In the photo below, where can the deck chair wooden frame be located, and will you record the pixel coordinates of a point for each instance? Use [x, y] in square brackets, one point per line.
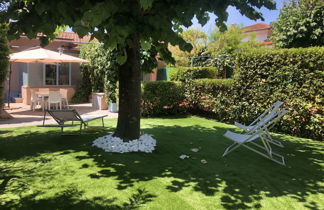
[70, 115]
[266, 115]
[247, 140]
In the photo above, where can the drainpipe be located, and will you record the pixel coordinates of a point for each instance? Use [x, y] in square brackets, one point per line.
[9, 85]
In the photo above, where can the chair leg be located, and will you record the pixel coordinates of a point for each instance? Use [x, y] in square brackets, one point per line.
[80, 128]
[273, 141]
[282, 159]
[230, 149]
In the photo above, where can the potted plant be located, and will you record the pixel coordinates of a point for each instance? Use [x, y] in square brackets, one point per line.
[111, 94]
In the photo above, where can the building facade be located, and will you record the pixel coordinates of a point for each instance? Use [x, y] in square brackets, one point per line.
[33, 76]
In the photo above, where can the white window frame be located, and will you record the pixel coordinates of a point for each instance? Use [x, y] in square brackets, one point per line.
[57, 74]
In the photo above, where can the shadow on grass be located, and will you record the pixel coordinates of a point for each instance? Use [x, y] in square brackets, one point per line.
[71, 198]
[242, 179]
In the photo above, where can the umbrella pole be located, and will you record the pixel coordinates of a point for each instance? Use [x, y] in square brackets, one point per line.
[9, 83]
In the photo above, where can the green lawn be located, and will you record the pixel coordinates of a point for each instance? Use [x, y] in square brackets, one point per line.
[39, 169]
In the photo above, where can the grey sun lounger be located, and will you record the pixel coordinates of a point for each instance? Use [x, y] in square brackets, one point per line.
[71, 115]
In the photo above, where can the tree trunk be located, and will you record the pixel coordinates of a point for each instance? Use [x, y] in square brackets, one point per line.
[128, 125]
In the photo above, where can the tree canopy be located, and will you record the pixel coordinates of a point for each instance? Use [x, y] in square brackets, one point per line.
[230, 40]
[300, 24]
[115, 22]
[197, 39]
[127, 26]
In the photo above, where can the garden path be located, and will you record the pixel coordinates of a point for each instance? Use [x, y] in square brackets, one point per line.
[23, 116]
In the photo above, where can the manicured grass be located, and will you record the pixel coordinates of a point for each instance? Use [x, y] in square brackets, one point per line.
[39, 169]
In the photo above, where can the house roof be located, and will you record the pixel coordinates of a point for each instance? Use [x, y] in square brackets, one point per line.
[70, 36]
[266, 43]
[256, 27]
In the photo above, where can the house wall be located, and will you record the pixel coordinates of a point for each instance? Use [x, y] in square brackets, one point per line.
[261, 35]
[23, 77]
[35, 74]
[75, 74]
[153, 76]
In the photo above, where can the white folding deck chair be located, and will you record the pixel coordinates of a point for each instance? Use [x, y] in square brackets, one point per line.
[247, 140]
[262, 119]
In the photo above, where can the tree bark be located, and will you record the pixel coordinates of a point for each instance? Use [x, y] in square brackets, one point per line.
[128, 125]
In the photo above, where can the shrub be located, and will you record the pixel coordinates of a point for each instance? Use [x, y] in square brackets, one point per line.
[209, 97]
[294, 76]
[185, 73]
[162, 98]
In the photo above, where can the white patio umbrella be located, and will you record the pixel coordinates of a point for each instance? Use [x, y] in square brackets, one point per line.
[41, 55]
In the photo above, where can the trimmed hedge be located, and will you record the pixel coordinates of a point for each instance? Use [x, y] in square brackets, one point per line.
[294, 76]
[210, 97]
[162, 98]
[184, 73]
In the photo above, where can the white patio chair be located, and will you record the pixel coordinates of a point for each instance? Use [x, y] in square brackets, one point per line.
[64, 95]
[266, 116]
[34, 100]
[54, 98]
[44, 90]
[247, 140]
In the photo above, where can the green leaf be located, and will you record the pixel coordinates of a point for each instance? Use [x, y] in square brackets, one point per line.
[121, 59]
[145, 45]
[146, 4]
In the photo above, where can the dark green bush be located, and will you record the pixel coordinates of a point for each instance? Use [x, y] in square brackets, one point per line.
[185, 73]
[162, 98]
[294, 76]
[209, 97]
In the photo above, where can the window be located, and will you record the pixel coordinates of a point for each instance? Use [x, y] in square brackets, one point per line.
[50, 74]
[64, 74]
[57, 74]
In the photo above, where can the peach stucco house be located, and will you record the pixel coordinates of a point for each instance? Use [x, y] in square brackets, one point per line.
[262, 32]
[33, 76]
[26, 77]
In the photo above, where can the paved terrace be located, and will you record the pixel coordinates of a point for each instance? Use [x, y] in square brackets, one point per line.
[23, 116]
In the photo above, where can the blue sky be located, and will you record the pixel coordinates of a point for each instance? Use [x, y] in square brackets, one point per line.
[236, 18]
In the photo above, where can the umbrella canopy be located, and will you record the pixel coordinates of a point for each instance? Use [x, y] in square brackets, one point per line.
[42, 55]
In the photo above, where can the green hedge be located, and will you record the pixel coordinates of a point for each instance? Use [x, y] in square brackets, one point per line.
[185, 73]
[162, 98]
[209, 97]
[294, 76]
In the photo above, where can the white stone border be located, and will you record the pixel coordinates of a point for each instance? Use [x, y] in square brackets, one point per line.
[109, 143]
